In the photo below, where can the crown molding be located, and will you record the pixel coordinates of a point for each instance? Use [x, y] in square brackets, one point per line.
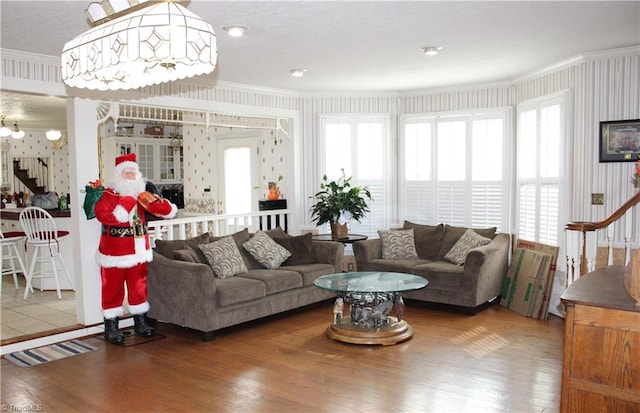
[579, 59]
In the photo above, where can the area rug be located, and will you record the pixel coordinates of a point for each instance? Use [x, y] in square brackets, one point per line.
[45, 354]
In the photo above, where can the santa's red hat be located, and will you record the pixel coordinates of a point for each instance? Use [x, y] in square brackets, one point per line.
[125, 162]
[130, 157]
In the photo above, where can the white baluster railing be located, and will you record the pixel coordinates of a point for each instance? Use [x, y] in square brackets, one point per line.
[582, 244]
[219, 225]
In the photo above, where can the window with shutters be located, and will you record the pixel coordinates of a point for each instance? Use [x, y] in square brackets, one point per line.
[540, 137]
[454, 168]
[359, 146]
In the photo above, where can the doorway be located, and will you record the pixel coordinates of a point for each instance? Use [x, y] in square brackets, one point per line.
[238, 175]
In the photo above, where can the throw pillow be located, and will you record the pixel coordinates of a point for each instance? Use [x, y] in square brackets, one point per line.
[187, 254]
[224, 257]
[266, 251]
[470, 239]
[428, 239]
[167, 247]
[301, 248]
[398, 245]
[452, 235]
[240, 238]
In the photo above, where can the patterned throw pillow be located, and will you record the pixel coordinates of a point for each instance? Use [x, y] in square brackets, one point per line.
[266, 251]
[470, 239]
[398, 245]
[224, 257]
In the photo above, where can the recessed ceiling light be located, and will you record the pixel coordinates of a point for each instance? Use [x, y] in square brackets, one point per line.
[235, 31]
[298, 72]
[431, 50]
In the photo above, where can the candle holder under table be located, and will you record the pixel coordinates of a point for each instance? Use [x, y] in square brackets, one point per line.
[371, 297]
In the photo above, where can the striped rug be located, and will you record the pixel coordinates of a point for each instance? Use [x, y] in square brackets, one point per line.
[41, 355]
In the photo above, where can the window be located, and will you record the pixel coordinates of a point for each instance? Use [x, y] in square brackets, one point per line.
[358, 145]
[539, 159]
[453, 170]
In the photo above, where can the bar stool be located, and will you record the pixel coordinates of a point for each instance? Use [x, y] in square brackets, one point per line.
[9, 252]
[43, 235]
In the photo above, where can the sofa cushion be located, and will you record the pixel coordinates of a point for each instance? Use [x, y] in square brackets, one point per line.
[380, 264]
[301, 248]
[428, 239]
[452, 235]
[224, 257]
[441, 275]
[276, 281]
[469, 240]
[276, 232]
[234, 290]
[310, 272]
[398, 244]
[166, 248]
[266, 251]
[187, 254]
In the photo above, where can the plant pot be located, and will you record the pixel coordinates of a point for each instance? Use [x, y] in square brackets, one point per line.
[338, 231]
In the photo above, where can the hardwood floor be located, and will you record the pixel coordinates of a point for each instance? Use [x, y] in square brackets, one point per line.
[496, 361]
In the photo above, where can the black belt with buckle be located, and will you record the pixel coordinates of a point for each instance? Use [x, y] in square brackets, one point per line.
[120, 231]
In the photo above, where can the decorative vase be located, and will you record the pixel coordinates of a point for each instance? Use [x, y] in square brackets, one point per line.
[274, 192]
[338, 231]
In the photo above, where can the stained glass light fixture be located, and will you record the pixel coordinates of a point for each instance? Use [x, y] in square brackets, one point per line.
[138, 43]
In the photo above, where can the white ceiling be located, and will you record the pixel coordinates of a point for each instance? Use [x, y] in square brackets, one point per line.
[371, 46]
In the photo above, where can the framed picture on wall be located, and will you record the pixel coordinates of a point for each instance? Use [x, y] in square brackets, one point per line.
[620, 140]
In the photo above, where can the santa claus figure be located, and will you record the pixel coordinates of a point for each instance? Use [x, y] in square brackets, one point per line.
[124, 249]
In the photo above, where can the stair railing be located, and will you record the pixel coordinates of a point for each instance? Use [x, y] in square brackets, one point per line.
[582, 244]
[37, 168]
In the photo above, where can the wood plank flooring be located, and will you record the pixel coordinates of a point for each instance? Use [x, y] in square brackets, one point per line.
[496, 361]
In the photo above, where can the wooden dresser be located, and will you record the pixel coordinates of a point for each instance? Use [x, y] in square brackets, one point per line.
[601, 358]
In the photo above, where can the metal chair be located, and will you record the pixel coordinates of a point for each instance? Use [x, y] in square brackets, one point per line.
[43, 235]
[9, 252]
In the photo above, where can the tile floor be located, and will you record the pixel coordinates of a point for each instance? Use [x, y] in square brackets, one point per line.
[41, 311]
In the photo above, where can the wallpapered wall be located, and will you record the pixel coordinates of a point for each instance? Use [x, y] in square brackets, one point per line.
[35, 145]
[200, 167]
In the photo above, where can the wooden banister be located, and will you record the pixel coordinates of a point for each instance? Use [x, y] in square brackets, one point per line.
[585, 227]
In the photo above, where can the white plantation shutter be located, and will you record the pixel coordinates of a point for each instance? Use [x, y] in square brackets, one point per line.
[539, 161]
[453, 169]
[418, 205]
[487, 202]
[358, 144]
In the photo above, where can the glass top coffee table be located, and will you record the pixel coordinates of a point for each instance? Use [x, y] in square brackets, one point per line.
[371, 297]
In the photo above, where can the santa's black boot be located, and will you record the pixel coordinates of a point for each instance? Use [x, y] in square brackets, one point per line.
[111, 332]
[142, 326]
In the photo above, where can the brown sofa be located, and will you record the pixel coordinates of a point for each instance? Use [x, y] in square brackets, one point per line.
[469, 286]
[189, 294]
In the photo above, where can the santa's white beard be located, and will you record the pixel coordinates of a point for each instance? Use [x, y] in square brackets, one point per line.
[127, 187]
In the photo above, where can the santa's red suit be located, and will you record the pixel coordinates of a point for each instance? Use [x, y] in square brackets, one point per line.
[124, 249]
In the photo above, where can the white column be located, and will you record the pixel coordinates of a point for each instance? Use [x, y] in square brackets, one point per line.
[83, 167]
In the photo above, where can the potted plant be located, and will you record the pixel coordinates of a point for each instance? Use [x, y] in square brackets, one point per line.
[338, 202]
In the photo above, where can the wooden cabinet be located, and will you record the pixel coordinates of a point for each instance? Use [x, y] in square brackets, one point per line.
[159, 162]
[601, 359]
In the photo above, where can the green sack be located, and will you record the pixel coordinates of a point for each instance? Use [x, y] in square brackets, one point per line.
[91, 197]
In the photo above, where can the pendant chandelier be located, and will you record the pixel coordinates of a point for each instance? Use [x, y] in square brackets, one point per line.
[148, 43]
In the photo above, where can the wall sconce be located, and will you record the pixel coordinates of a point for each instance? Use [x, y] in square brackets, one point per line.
[4, 131]
[60, 142]
[175, 144]
[17, 133]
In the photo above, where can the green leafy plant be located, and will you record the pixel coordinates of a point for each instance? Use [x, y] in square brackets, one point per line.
[337, 197]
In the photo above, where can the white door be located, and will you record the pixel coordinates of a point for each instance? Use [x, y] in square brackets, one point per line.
[238, 174]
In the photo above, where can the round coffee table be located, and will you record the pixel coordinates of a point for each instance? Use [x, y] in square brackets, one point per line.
[371, 297]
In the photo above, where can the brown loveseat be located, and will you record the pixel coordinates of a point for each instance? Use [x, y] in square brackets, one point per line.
[478, 281]
[189, 294]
